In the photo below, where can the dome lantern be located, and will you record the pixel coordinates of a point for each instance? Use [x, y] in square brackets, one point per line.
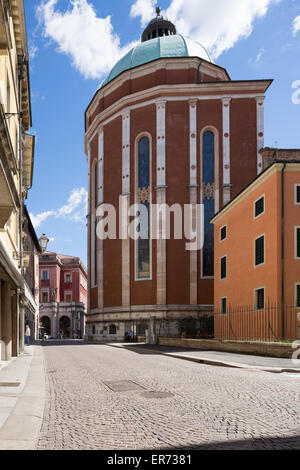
[158, 27]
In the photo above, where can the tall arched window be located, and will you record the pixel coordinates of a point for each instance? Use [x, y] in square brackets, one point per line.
[143, 198]
[208, 186]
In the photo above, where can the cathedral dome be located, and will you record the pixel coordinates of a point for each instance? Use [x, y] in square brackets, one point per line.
[174, 45]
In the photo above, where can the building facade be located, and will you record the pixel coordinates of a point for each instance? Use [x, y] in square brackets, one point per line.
[257, 252]
[63, 296]
[168, 126]
[16, 173]
[31, 286]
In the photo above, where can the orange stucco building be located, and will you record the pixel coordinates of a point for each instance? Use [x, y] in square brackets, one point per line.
[257, 252]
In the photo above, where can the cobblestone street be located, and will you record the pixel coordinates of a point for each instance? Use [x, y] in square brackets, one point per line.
[98, 398]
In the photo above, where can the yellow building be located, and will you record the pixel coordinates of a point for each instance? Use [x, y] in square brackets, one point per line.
[16, 168]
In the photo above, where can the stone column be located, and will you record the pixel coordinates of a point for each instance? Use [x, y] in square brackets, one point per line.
[126, 203]
[260, 131]
[100, 274]
[226, 151]
[161, 258]
[15, 323]
[21, 328]
[6, 322]
[193, 196]
[89, 230]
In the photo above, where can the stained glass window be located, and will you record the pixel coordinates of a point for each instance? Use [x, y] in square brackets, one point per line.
[208, 181]
[143, 244]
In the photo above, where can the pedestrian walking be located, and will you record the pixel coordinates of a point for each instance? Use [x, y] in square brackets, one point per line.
[27, 335]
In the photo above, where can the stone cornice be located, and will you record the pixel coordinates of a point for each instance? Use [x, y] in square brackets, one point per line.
[198, 91]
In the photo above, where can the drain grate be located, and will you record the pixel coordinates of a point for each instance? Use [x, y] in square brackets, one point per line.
[10, 384]
[123, 386]
[157, 395]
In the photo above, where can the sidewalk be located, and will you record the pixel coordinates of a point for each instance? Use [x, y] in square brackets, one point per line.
[22, 399]
[223, 359]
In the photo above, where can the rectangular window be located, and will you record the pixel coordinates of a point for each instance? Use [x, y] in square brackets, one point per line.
[260, 299]
[224, 267]
[297, 242]
[297, 194]
[298, 295]
[45, 297]
[68, 278]
[223, 233]
[260, 251]
[224, 306]
[68, 298]
[45, 276]
[259, 206]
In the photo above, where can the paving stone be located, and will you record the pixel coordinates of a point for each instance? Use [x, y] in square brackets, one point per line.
[206, 407]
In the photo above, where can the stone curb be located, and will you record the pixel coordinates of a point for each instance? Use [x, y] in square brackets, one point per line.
[21, 429]
[212, 362]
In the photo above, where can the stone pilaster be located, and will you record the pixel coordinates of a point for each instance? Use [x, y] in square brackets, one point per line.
[126, 202]
[89, 229]
[193, 196]
[161, 296]
[226, 151]
[100, 273]
[260, 131]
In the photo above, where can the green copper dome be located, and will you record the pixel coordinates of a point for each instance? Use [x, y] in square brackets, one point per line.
[161, 47]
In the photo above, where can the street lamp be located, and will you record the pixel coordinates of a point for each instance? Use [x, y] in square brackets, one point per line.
[44, 240]
[24, 256]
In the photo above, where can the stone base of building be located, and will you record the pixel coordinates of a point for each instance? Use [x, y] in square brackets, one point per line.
[115, 324]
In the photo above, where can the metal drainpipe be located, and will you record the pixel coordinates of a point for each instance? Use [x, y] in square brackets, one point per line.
[282, 247]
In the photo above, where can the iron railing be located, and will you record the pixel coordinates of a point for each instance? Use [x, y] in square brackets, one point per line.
[273, 323]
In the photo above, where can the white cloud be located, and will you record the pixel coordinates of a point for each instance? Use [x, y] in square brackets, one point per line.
[260, 54]
[33, 49]
[217, 24]
[75, 209]
[145, 9]
[94, 47]
[38, 219]
[90, 41]
[296, 25]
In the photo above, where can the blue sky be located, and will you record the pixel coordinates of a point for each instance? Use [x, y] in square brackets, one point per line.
[73, 45]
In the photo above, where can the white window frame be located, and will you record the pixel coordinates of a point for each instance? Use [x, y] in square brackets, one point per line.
[68, 274]
[255, 298]
[257, 238]
[224, 278]
[222, 241]
[296, 186]
[295, 242]
[263, 196]
[48, 275]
